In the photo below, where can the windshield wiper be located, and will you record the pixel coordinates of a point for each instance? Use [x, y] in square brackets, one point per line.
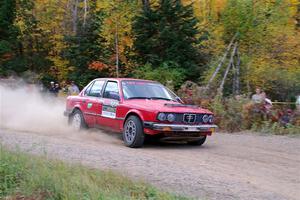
[162, 98]
[138, 98]
[153, 98]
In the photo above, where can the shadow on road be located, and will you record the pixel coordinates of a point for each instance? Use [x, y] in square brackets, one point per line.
[150, 143]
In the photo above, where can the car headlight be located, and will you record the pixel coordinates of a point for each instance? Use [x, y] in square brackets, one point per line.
[171, 117]
[161, 116]
[205, 118]
[210, 119]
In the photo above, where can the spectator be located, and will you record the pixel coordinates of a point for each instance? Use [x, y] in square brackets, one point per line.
[286, 117]
[64, 89]
[265, 99]
[257, 97]
[52, 88]
[57, 88]
[73, 89]
[267, 103]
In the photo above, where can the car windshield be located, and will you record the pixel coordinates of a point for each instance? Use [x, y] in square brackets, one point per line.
[146, 90]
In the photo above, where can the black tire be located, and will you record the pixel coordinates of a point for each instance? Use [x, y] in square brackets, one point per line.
[133, 133]
[197, 142]
[76, 120]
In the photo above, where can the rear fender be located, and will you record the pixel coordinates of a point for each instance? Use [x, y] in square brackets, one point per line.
[76, 107]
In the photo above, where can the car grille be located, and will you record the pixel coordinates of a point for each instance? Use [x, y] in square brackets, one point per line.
[188, 118]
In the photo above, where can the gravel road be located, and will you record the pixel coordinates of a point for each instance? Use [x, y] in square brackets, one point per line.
[228, 166]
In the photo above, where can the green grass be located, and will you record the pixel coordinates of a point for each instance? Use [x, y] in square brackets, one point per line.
[36, 177]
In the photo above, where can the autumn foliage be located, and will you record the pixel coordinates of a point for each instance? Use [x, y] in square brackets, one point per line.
[97, 65]
[82, 40]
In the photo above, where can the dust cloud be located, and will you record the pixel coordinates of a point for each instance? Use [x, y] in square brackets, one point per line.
[25, 108]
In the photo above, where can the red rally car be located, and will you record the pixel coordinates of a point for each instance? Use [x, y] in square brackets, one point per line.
[138, 108]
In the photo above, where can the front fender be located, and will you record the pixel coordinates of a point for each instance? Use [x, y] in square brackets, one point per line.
[135, 112]
[142, 114]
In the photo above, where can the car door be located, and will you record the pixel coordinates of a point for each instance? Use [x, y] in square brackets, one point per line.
[93, 102]
[111, 100]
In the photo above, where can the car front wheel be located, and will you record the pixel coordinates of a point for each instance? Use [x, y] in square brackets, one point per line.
[133, 134]
[198, 142]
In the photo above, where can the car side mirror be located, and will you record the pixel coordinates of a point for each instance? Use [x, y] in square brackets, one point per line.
[178, 99]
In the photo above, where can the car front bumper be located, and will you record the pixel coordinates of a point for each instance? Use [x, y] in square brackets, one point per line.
[184, 128]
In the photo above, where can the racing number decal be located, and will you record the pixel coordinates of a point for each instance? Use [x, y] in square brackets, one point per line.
[109, 109]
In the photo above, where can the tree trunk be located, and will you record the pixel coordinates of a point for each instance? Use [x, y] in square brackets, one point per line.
[237, 80]
[75, 13]
[234, 80]
[146, 4]
[221, 62]
[230, 64]
[85, 12]
[65, 16]
[117, 49]
[236, 74]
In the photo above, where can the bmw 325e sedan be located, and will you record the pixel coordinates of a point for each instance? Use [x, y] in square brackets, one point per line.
[137, 108]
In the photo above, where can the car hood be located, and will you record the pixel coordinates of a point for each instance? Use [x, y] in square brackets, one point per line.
[164, 106]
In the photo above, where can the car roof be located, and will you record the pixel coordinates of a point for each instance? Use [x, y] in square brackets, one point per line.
[124, 79]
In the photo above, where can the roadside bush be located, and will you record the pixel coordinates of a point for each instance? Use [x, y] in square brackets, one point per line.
[191, 93]
[218, 108]
[238, 114]
[230, 113]
[275, 128]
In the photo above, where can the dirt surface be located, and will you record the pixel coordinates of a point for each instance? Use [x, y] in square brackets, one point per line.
[240, 166]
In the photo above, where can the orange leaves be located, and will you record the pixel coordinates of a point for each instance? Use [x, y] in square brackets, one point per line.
[97, 65]
[100, 66]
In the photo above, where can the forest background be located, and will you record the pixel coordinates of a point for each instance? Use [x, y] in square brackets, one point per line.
[233, 45]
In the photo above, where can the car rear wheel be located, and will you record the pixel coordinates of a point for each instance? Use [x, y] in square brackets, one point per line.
[133, 134]
[198, 142]
[77, 121]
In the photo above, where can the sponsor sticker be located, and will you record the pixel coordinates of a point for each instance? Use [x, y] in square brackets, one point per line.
[109, 111]
[89, 105]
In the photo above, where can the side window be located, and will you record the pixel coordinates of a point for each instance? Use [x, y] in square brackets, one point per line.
[111, 91]
[96, 89]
